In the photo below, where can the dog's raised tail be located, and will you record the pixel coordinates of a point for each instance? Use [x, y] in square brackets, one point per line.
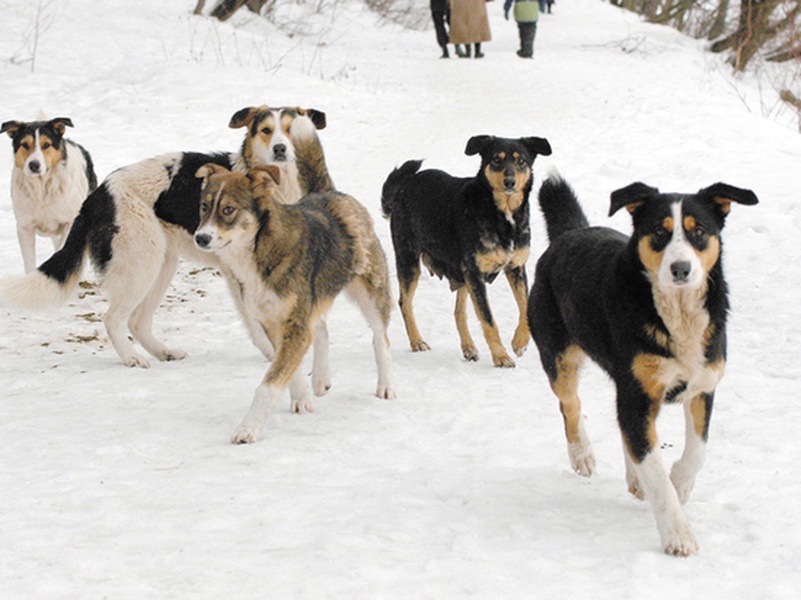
[313, 173]
[395, 182]
[560, 207]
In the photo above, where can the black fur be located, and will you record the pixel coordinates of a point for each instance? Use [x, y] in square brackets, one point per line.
[448, 221]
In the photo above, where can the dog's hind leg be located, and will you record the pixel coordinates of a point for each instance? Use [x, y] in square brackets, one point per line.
[321, 373]
[469, 350]
[697, 415]
[373, 299]
[516, 276]
[408, 276]
[141, 321]
[564, 377]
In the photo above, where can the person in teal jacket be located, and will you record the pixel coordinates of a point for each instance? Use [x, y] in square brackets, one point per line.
[526, 13]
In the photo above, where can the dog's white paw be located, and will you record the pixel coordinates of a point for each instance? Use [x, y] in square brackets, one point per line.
[320, 384]
[582, 458]
[385, 392]
[470, 353]
[172, 354]
[680, 541]
[302, 406]
[243, 435]
[137, 360]
[419, 346]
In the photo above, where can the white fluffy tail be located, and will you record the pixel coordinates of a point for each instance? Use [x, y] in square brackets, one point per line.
[35, 291]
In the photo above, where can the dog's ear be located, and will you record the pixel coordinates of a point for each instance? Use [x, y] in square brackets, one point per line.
[10, 127]
[263, 182]
[317, 116]
[536, 145]
[60, 124]
[632, 197]
[476, 144]
[209, 169]
[244, 116]
[721, 195]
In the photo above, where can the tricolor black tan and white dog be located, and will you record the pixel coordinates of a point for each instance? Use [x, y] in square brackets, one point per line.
[291, 262]
[50, 179]
[138, 223]
[650, 309]
[468, 230]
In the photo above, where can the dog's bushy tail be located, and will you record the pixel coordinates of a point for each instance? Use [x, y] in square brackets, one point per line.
[560, 207]
[313, 173]
[56, 279]
[394, 184]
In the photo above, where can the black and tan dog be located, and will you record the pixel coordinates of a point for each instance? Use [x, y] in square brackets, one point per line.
[650, 309]
[291, 261]
[52, 176]
[140, 221]
[468, 230]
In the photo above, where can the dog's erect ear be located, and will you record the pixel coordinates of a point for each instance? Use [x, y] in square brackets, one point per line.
[632, 197]
[10, 127]
[317, 116]
[723, 194]
[536, 145]
[60, 124]
[476, 144]
[208, 170]
[245, 116]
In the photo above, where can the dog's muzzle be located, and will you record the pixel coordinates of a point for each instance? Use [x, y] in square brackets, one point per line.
[279, 153]
[680, 271]
[203, 240]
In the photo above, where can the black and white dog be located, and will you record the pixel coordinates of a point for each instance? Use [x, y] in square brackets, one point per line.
[650, 309]
[140, 221]
[50, 180]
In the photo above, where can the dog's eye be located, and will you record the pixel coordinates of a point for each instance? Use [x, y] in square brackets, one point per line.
[698, 234]
[266, 131]
[660, 233]
[204, 207]
[228, 211]
[521, 162]
[46, 145]
[25, 146]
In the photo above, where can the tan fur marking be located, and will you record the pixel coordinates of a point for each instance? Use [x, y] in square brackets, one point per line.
[711, 254]
[660, 337]
[698, 412]
[650, 259]
[565, 386]
[469, 350]
[647, 369]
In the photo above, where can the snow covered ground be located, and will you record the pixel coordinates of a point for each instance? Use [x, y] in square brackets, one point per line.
[121, 483]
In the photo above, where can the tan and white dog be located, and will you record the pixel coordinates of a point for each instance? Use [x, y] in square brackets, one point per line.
[50, 179]
[141, 220]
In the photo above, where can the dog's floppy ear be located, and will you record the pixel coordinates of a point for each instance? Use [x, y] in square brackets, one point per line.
[10, 127]
[263, 181]
[723, 194]
[60, 124]
[536, 145]
[476, 144]
[208, 170]
[245, 116]
[632, 197]
[317, 116]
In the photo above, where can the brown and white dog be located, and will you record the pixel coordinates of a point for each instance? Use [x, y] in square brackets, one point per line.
[50, 180]
[138, 223]
[291, 262]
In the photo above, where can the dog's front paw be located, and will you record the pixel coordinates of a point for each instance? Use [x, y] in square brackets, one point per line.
[503, 361]
[419, 346]
[634, 487]
[385, 392]
[520, 341]
[174, 354]
[302, 406]
[321, 381]
[582, 458]
[680, 541]
[243, 435]
[137, 360]
[470, 353]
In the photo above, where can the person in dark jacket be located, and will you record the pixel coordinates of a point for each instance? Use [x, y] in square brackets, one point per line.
[526, 13]
[441, 14]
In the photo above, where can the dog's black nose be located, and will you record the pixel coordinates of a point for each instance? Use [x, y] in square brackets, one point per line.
[202, 240]
[34, 166]
[509, 183]
[279, 151]
[680, 270]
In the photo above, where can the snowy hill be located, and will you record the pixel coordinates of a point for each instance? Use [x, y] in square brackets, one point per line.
[121, 483]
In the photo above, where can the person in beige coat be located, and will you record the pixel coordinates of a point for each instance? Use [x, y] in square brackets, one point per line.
[469, 25]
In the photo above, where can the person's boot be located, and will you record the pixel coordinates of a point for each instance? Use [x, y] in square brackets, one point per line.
[466, 53]
[445, 52]
[479, 53]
